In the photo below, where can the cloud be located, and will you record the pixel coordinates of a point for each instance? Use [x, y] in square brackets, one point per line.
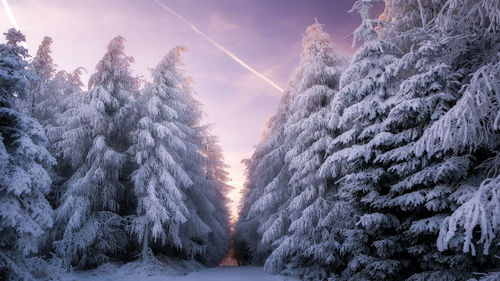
[219, 23]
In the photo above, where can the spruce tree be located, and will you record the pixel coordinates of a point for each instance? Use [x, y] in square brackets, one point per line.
[180, 182]
[41, 103]
[403, 174]
[284, 198]
[95, 139]
[160, 181]
[264, 192]
[217, 188]
[308, 242]
[25, 213]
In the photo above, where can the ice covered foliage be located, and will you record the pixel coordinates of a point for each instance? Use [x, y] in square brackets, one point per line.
[418, 106]
[66, 92]
[41, 104]
[25, 213]
[73, 108]
[180, 182]
[94, 140]
[366, 31]
[217, 188]
[266, 174]
[307, 229]
[207, 227]
[395, 175]
[160, 181]
[284, 203]
[481, 211]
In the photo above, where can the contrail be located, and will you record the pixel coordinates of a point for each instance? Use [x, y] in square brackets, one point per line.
[12, 18]
[219, 46]
[9, 13]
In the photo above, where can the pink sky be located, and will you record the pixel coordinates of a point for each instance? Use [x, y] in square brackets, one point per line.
[265, 34]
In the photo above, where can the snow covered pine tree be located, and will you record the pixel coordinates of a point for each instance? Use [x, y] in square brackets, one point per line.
[40, 103]
[419, 108]
[309, 246]
[95, 139]
[25, 214]
[413, 156]
[216, 179]
[265, 168]
[284, 197]
[180, 211]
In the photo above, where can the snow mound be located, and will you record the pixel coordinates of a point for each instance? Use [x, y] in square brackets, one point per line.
[152, 269]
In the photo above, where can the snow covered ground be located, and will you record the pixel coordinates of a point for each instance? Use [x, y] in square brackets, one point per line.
[137, 272]
[233, 273]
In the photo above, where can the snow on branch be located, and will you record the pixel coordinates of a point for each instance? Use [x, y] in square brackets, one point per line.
[471, 122]
[483, 211]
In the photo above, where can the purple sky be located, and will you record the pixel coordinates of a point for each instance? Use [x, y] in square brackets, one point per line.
[266, 34]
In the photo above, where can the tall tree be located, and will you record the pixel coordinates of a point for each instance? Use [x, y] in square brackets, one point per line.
[307, 240]
[66, 88]
[95, 141]
[398, 90]
[180, 180]
[265, 173]
[160, 181]
[216, 190]
[41, 103]
[276, 222]
[25, 214]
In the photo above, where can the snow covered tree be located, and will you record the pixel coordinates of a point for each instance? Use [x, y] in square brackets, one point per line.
[200, 233]
[179, 184]
[307, 240]
[25, 213]
[66, 88]
[95, 137]
[366, 31]
[41, 104]
[160, 180]
[414, 138]
[284, 217]
[266, 173]
[217, 188]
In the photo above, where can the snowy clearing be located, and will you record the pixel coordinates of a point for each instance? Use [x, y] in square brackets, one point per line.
[128, 273]
[234, 273]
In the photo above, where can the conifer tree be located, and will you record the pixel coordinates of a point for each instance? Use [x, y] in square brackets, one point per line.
[95, 140]
[67, 89]
[180, 182]
[25, 213]
[283, 190]
[41, 103]
[266, 173]
[394, 163]
[160, 181]
[307, 238]
[217, 188]
[200, 232]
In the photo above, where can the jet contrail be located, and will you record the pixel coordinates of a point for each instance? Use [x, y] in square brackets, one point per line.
[9, 13]
[219, 46]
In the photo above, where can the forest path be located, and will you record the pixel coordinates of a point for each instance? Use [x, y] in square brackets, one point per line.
[133, 272]
[233, 273]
